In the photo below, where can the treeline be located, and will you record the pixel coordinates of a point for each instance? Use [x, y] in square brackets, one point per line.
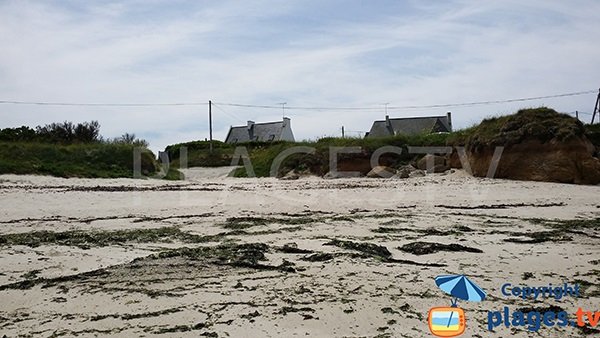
[66, 133]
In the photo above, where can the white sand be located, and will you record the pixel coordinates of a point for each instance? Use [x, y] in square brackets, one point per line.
[343, 297]
[198, 174]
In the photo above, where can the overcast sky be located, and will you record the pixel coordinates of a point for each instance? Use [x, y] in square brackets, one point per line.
[316, 53]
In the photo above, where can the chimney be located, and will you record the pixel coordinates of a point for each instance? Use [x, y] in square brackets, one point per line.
[251, 130]
[286, 121]
[387, 121]
[449, 117]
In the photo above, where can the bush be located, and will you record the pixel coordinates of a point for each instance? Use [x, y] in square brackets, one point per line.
[21, 134]
[130, 139]
[68, 133]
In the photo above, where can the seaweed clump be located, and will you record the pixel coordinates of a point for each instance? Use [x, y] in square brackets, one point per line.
[247, 255]
[425, 248]
[369, 249]
[86, 239]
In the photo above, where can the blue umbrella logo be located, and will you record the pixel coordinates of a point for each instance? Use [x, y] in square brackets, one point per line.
[460, 287]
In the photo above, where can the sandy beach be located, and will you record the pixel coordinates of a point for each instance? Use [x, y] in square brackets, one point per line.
[224, 257]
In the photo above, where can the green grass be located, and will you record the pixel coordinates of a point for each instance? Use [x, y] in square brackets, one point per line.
[543, 124]
[173, 175]
[76, 160]
[199, 154]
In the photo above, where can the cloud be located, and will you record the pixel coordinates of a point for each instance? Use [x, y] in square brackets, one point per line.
[303, 53]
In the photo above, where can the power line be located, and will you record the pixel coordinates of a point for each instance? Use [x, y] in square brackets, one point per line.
[79, 104]
[413, 106]
[496, 101]
[296, 107]
[447, 105]
[579, 112]
[231, 115]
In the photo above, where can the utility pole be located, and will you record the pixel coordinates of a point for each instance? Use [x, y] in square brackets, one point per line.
[596, 107]
[577, 114]
[342, 131]
[210, 125]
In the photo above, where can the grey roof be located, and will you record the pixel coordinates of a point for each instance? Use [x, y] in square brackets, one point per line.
[262, 132]
[238, 135]
[410, 126]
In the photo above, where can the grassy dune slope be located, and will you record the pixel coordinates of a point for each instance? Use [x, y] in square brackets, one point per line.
[76, 160]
